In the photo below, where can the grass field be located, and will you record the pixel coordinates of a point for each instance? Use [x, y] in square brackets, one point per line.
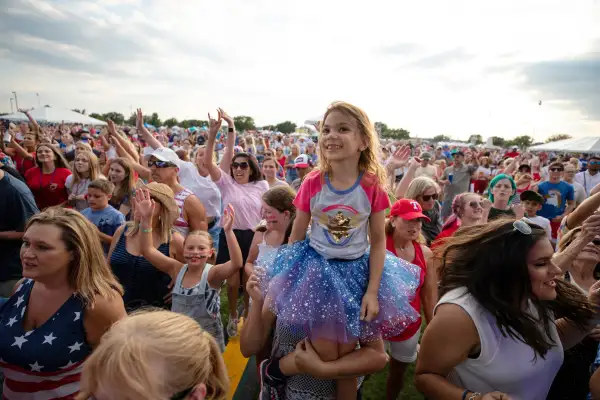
[374, 386]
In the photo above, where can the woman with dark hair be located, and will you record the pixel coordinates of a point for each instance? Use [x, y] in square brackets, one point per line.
[503, 318]
[48, 180]
[242, 185]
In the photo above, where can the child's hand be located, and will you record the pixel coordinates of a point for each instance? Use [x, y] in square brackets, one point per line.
[143, 203]
[228, 217]
[369, 307]
[254, 284]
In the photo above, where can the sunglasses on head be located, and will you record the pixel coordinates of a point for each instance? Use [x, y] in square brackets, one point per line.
[160, 164]
[557, 169]
[427, 197]
[241, 165]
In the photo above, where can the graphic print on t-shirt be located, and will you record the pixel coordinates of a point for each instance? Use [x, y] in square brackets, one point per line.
[339, 223]
[553, 198]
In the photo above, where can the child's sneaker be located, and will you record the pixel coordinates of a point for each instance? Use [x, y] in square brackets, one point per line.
[270, 388]
[232, 327]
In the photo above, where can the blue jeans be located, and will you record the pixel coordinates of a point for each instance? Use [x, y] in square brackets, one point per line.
[215, 231]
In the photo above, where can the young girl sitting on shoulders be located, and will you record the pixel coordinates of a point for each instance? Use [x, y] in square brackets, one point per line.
[197, 283]
[331, 283]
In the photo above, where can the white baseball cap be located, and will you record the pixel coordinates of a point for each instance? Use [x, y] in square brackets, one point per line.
[165, 154]
[301, 161]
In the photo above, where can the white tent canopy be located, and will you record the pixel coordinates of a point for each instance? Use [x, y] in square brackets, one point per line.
[54, 115]
[590, 144]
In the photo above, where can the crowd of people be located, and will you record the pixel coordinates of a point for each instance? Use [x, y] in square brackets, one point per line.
[340, 252]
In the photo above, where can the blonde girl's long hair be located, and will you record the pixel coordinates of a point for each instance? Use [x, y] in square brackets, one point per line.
[153, 355]
[94, 165]
[369, 160]
[89, 273]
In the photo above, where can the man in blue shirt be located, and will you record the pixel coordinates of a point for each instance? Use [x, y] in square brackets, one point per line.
[559, 197]
[17, 205]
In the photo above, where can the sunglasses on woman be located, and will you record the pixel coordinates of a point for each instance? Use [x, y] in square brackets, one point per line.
[476, 204]
[427, 197]
[556, 169]
[241, 165]
[160, 164]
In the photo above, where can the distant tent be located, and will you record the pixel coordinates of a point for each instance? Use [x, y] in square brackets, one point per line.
[54, 115]
[590, 144]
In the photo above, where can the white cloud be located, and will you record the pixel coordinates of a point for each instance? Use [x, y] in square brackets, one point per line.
[431, 67]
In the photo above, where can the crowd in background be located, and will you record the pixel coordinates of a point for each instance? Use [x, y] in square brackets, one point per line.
[497, 250]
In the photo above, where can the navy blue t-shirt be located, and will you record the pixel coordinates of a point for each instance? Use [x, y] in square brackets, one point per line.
[107, 220]
[17, 205]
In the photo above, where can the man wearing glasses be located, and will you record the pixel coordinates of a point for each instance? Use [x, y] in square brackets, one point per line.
[559, 197]
[589, 178]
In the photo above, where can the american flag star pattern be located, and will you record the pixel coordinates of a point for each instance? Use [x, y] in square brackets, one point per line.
[44, 363]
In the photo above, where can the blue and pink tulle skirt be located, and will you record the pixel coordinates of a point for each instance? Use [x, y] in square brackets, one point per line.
[324, 296]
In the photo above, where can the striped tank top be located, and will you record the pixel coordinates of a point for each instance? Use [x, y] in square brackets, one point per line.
[45, 362]
[181, 224]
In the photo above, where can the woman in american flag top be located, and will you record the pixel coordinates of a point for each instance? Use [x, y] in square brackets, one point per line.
[58, 312]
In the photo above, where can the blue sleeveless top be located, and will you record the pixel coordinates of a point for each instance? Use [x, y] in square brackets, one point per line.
[45, 362]
[144, 284]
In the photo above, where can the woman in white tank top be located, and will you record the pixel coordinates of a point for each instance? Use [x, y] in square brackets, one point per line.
[498, 330]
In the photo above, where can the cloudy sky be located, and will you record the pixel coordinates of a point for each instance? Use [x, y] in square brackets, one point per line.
[433, 67]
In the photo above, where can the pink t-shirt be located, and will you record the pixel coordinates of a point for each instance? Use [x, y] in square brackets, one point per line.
[246, 200]
[340, 217]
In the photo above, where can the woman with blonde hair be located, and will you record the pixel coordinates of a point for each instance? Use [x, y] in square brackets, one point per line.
[155, 355]
[145, 284]
[86, 169]
[59, 311]
[423, 190]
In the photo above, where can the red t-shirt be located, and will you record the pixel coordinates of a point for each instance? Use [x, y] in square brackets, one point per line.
[420, 262]
[23, 164]
[48, 189]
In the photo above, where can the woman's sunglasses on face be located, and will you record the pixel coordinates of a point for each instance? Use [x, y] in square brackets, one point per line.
[476, 204]
[242, 165]
[160, 164]
[427, 197]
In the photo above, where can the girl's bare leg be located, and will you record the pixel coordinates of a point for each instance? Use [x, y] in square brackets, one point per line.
[346, 388]
[331, 351]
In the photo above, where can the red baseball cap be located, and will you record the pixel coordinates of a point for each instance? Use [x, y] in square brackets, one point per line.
[408, 209]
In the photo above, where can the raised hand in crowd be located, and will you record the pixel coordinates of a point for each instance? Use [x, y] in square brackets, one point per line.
[400, 157]
[214, 125]
[226, 118]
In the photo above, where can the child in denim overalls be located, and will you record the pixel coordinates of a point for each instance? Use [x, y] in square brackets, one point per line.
[197, 283]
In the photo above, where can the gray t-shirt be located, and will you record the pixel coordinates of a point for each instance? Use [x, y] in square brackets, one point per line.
[461, 179]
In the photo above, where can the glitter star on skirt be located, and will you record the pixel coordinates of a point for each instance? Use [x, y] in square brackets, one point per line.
[324, 296]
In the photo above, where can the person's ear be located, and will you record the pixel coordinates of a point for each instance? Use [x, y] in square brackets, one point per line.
[199, 392]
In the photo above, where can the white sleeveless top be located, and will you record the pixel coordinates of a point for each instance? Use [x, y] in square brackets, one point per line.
[504, 364]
